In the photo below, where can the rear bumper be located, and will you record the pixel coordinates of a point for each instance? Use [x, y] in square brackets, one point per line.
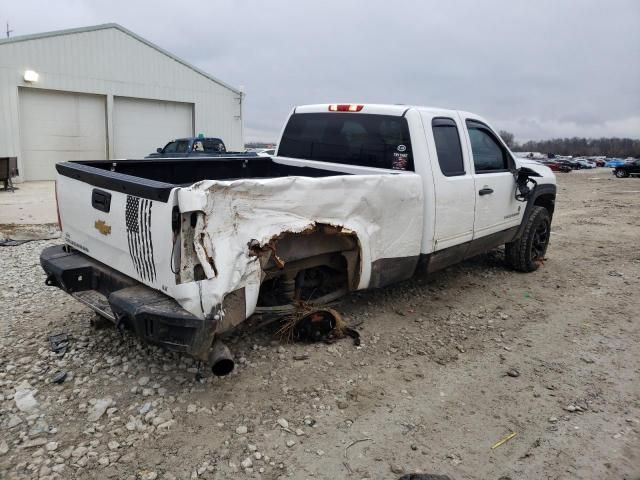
[152, 315]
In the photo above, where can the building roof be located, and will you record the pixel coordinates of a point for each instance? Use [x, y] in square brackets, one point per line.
[104, 26]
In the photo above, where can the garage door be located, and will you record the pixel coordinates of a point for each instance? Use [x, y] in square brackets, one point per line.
[140, 126]
[57, 126]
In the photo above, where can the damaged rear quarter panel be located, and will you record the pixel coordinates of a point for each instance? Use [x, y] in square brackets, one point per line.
[384, 211]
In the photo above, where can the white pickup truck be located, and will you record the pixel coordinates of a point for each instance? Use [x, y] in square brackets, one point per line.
[356, 196]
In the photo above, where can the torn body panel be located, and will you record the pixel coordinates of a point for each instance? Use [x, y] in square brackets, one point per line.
[248, 231]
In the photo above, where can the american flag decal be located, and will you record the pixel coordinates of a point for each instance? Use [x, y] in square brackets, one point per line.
[138, 217]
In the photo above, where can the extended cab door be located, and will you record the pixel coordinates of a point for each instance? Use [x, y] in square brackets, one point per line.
[496, 206]
[453, 181]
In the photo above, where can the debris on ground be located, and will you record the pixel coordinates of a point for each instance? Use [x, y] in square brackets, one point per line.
[504, 440]
[424, 476]
[58, 343]
[311, 325]
[512, 372]
[59, 377]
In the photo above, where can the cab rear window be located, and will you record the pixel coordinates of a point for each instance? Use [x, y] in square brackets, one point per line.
[380, 141]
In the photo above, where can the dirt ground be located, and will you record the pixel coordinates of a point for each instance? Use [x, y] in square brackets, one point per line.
[448, 367]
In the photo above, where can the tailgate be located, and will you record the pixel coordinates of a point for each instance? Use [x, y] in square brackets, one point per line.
[130, 230]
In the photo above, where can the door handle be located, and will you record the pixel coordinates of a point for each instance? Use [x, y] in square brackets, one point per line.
[486, 191]
[101, 200]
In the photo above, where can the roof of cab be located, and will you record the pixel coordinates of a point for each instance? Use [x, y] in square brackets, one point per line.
[389, 109]
[196, 138]
[372, 108]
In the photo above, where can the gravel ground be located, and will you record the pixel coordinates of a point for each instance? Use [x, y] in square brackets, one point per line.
[448, 367]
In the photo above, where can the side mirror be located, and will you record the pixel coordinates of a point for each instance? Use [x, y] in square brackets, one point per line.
[158, 150]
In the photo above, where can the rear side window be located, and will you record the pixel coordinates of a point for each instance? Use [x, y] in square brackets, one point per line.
[488, 154]
[445, 134]
[214, 145]
[380, 141]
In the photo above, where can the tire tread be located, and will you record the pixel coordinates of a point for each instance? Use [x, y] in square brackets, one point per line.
[516, 252]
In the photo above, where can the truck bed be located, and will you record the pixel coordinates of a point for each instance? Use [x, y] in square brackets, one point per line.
[154, 178]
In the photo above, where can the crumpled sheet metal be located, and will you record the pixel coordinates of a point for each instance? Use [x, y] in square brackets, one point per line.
[384, 211]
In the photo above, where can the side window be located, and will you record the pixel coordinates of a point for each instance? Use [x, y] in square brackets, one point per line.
[213, 145]
[182, 146]
[170, 147]
[445, 134]
[488, 153]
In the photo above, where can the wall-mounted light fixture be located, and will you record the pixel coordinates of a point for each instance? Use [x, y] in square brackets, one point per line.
[30, 76]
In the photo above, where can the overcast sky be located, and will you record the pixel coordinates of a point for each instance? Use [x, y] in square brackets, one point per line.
[539, 69]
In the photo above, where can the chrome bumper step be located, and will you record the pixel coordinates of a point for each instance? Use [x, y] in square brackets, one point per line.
[97, 302]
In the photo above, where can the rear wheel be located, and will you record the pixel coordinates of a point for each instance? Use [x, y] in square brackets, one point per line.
[526, 253]
[621, 174]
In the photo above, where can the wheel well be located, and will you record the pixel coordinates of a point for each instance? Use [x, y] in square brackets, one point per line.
[320, 248]
[547, 201]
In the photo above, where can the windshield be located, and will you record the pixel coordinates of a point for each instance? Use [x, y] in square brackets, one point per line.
[380, 141]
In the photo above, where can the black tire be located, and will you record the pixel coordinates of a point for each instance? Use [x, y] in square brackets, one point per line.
[526, 253]
[621, 173]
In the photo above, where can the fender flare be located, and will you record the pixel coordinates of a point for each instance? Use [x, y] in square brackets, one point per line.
[546, 190]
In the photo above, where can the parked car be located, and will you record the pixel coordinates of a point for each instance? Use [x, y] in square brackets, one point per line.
[194, 147]
[628, 169]
[584, 163]
[572, 164]
[557, 166]
[614, 162]
[184, 250]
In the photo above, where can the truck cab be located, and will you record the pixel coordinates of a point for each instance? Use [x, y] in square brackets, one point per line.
[469, 175]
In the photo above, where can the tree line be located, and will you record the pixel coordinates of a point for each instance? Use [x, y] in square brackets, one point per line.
[577, 146]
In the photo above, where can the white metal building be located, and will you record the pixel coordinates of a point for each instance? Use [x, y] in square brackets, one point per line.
[103, 92]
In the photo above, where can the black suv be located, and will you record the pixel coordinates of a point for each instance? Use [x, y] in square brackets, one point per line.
[630, 168]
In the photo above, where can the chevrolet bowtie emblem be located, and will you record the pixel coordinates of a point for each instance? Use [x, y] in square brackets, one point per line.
[102, 227]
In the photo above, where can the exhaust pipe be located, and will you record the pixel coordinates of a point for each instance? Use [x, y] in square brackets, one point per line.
[220, 359]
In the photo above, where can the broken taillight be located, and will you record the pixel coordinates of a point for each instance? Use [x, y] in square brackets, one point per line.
[345, 107]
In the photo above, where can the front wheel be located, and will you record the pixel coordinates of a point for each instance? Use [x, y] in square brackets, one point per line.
[525, 254]
[621, 174]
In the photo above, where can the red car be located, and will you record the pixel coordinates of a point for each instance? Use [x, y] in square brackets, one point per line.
[557, 166]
